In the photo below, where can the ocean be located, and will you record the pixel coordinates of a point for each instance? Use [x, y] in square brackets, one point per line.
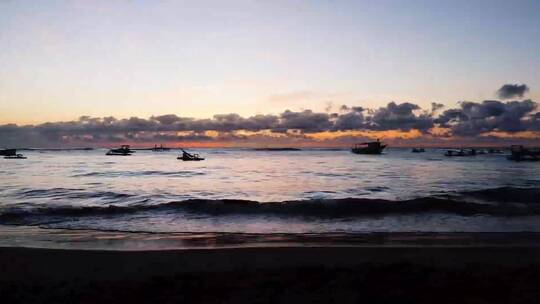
[312, 191]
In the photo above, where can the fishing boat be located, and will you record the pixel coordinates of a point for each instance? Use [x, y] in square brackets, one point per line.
[122, 151]
[418, 150]
[374, 147]
[520, 153]
[189, 157]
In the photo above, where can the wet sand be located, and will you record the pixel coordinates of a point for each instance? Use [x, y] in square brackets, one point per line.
[371, 274]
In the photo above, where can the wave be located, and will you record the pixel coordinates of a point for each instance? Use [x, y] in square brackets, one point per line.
[350, 207]
[66, 193]
[139, 173]
[506, 195]
[505, 201]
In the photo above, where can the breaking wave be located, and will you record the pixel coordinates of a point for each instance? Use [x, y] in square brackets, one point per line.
[504, 201]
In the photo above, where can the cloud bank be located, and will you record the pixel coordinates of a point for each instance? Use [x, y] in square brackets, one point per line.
[485, 120]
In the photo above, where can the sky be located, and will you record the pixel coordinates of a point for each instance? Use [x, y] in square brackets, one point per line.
[62, 60]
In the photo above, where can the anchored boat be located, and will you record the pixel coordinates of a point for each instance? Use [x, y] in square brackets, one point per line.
[520, 153]
[374, 147]
[161, 148]
[122, 151]
[16, 156]
[11, 154]
[462, 152]
[189, 157]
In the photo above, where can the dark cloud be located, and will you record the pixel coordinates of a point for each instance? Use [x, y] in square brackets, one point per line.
[168, 119]
[436, 107]
[508, 91]
[307, 121]
[490, 115]
[400, 117]
[176, 137]
[345, 108]
[404, 116]
[350, 121]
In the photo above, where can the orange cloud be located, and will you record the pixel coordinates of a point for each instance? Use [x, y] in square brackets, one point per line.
[390, 134]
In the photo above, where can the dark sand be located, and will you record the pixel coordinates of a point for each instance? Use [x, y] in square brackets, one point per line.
[392, 274]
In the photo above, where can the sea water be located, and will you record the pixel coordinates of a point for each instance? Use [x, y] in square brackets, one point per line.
[249, 191]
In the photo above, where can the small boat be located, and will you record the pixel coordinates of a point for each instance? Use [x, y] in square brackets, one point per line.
[374, 147]
[460, 152]
[418, 150]
[495, 151]
[189, 157]
[16, 156]
[161, 148]
[454, 153]
[520, 153]
[11, 154]
[122, 151]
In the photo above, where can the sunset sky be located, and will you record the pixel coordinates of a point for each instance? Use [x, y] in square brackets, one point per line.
[156, 60]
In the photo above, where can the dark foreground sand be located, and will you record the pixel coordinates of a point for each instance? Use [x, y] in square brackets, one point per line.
[496, 274]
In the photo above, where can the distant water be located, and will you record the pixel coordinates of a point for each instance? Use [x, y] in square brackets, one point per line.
[241, 190]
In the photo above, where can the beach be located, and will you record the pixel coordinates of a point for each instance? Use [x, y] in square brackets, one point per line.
[373, 274]
[81, 227]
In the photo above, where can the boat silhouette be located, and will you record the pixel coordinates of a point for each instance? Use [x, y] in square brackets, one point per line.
[189, 157]
[161, 148]
[520, 153]
[460, 152]
[124, 150]
[374, 147]
[11, 154]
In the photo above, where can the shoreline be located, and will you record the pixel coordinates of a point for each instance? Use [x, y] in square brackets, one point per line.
[98, 240]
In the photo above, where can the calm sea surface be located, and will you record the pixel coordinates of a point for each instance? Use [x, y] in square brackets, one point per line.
[292, 192]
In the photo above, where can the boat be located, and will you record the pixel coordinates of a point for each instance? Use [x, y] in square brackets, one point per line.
[418, 150]
[122, 151]
[189, 157]
[520, 153]
[495, 151]
[11, 154]
[374, 147]
[161, 148]
[16, 156]
[454, 152]
[460, 152]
